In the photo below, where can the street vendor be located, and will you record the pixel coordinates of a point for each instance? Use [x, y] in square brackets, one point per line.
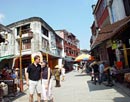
[5, 74]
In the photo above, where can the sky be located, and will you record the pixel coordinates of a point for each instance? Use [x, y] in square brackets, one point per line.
[73, 15]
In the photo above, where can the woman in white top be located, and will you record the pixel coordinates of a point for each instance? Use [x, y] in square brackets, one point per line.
[46, 82]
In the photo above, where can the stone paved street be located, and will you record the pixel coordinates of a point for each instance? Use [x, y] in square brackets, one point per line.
[78, 88]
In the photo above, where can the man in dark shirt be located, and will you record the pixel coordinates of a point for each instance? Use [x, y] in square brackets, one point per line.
[96, 71]
[33, 77]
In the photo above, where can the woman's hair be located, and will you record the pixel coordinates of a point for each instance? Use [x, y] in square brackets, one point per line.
[44, 61]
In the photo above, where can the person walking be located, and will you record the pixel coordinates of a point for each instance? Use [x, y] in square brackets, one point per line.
[33, 77]
[46, 82]
[57, 74]
[108, 71]
[17, 80]
[95, 68]
[101, 71]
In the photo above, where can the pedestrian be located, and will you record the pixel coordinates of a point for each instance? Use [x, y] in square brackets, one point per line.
[114, 73]
[109, 76]
[17, 80]
[95, 68]
[91, 71]
[83, 68]
[33, 77]
[46, 82]
[57, 74]
[63, 73]
[13, 76]
[101, 71]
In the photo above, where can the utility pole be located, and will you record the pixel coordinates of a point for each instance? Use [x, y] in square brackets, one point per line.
[20, 57]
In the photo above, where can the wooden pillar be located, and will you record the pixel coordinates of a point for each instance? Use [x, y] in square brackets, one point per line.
[20, 57]
[125, 55]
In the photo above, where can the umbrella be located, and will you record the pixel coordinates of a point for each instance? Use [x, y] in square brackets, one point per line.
[84, 57]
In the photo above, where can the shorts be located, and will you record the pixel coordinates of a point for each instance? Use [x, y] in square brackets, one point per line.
[35, 86]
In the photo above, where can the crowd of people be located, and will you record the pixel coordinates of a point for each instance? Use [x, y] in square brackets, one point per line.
[10, 74]
[38, 76]
[101, 71]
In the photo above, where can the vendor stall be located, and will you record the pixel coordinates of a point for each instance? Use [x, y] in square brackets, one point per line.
[8, 82]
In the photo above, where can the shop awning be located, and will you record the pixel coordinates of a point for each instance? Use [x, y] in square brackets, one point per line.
[69, 59]
[49, 53]
[4, 28]
[6, 57]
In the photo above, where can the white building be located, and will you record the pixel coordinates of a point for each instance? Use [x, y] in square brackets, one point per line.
[6, 46]
[37, 36]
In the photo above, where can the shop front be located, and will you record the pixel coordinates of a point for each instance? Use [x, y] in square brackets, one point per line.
[113, 45]
[121, 46]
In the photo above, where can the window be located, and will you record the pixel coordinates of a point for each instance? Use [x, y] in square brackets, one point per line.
[24, 29]
[127, 7]
[44, 31]
[101, 9]
[26, 44]
[45, 43]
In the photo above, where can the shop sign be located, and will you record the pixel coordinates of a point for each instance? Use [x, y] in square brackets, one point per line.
[114, 45]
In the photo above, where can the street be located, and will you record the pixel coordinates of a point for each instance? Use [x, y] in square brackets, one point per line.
[43, 39]
[77, 87]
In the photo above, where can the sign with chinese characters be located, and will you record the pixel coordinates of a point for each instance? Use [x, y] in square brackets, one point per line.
[114, 45]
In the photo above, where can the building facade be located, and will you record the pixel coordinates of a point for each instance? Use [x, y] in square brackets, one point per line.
[6, 46]
[71, 48]
[109, 31]
[37, 36]
[70, 43]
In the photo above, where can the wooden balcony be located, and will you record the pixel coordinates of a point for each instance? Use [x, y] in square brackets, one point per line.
[27, 35]
[26, 46]
[59, 45]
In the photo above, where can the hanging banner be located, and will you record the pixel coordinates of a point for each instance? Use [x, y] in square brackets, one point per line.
[114, 45]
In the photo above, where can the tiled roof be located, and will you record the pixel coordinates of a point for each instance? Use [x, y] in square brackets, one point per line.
[4, 28]
[109, 31]
[1, 39]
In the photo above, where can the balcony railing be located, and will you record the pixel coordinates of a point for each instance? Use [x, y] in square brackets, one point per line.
[27, 35]
[25, 46]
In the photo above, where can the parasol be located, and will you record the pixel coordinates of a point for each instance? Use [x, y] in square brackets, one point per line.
[84, 57]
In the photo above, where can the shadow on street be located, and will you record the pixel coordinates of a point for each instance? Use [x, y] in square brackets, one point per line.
[18, 96]
[124, 96]
[93, 87]
[121, 99]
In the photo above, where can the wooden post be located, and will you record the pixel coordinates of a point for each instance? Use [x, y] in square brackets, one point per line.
[20, 57]
[125, 55]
